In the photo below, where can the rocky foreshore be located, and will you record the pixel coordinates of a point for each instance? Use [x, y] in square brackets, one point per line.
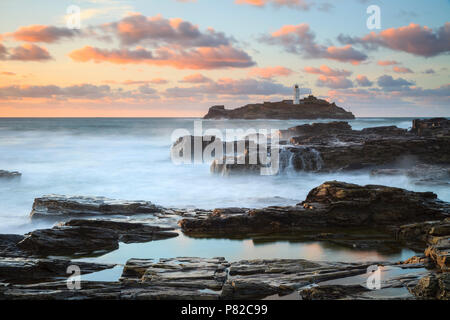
[333, 212]
[335, 146]
[309, 108]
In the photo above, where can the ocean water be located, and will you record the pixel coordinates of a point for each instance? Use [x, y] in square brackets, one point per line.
[130, 159]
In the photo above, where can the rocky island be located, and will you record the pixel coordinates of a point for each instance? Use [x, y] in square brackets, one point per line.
[307, 108]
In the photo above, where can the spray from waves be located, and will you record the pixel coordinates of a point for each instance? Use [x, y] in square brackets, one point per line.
[300, 159]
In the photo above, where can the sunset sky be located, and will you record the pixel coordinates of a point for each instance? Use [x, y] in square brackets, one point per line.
[176, 58]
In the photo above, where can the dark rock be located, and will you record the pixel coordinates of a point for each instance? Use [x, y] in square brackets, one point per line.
[316, 129]
[61, 206]
[9, 174]
[62, 240]
[333, 204]
[309, 108]
[431, 127]
[333, 292]
[433, 286]
[128, 232]
[81, 237]
[30, 270]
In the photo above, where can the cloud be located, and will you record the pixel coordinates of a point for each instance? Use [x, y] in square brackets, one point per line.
[231, 87]
[299, 39]
[327, 71]
[42, 33]
[334, 82]
[293, 4]
[137, 28]
[82, 91]
[362, 81]
[413, 39]
[387, 62]
[195, 78]
[402, 70]
[199, 58]
[271, 72]
[25, 52]
[389, 83]
[429, 71]
[136, 82]
[7, 73]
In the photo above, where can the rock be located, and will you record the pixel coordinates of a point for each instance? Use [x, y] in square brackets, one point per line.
[316, 129]
[433, 286]
[257, 279]
[333, 292]
[87, 237]
[331, 205]
[9, 174]
[128, 232]
[431, 127]
[30, 270]
[8, 245]
[309, 108]
[61, 206]
[62, 240]
[334, 146]
[193, 144]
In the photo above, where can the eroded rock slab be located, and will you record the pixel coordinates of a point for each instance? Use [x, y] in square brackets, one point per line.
[332, 204]
[60, 206]
[31, 270]
[85, 237]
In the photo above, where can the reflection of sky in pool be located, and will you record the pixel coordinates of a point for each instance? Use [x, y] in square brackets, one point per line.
[234, 250]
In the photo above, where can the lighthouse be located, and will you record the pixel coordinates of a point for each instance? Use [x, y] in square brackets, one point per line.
[296, 94]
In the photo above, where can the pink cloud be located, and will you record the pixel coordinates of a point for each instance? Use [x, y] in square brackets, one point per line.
[42, 33]
[195, 78]
[414, 39]
[199, 58]
[334, 82]
[271, 72]
[402, 70]
[387, 62]
[24, 52]
[327, 71]
[299, 39]
[294, 4]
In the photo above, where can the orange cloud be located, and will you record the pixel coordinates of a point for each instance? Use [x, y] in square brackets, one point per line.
[195, 78]
[327, 71]
[42, 33]
[387, 62]
[271, 72]
[402, 70]
[199, 58]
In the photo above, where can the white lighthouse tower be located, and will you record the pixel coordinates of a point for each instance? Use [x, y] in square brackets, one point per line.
[296, 94]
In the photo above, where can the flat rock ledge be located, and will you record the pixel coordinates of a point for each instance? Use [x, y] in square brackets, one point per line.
[31, 270]
[333, 204]
[60, 205]
[193, 278]
[89, 237]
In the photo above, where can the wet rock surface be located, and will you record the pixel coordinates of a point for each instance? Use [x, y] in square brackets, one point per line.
[335, 146]
[62, 206]
[32, 270]
[333, 204]
[215, 278]
[86, 237]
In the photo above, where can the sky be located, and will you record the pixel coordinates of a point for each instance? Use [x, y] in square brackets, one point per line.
[176, 58]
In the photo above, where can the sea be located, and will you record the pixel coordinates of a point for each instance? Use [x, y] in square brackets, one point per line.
[129, 158]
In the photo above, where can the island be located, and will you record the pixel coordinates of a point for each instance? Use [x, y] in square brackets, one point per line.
[308, 108]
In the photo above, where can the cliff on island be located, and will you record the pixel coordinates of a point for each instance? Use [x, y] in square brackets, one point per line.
[309, 108]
